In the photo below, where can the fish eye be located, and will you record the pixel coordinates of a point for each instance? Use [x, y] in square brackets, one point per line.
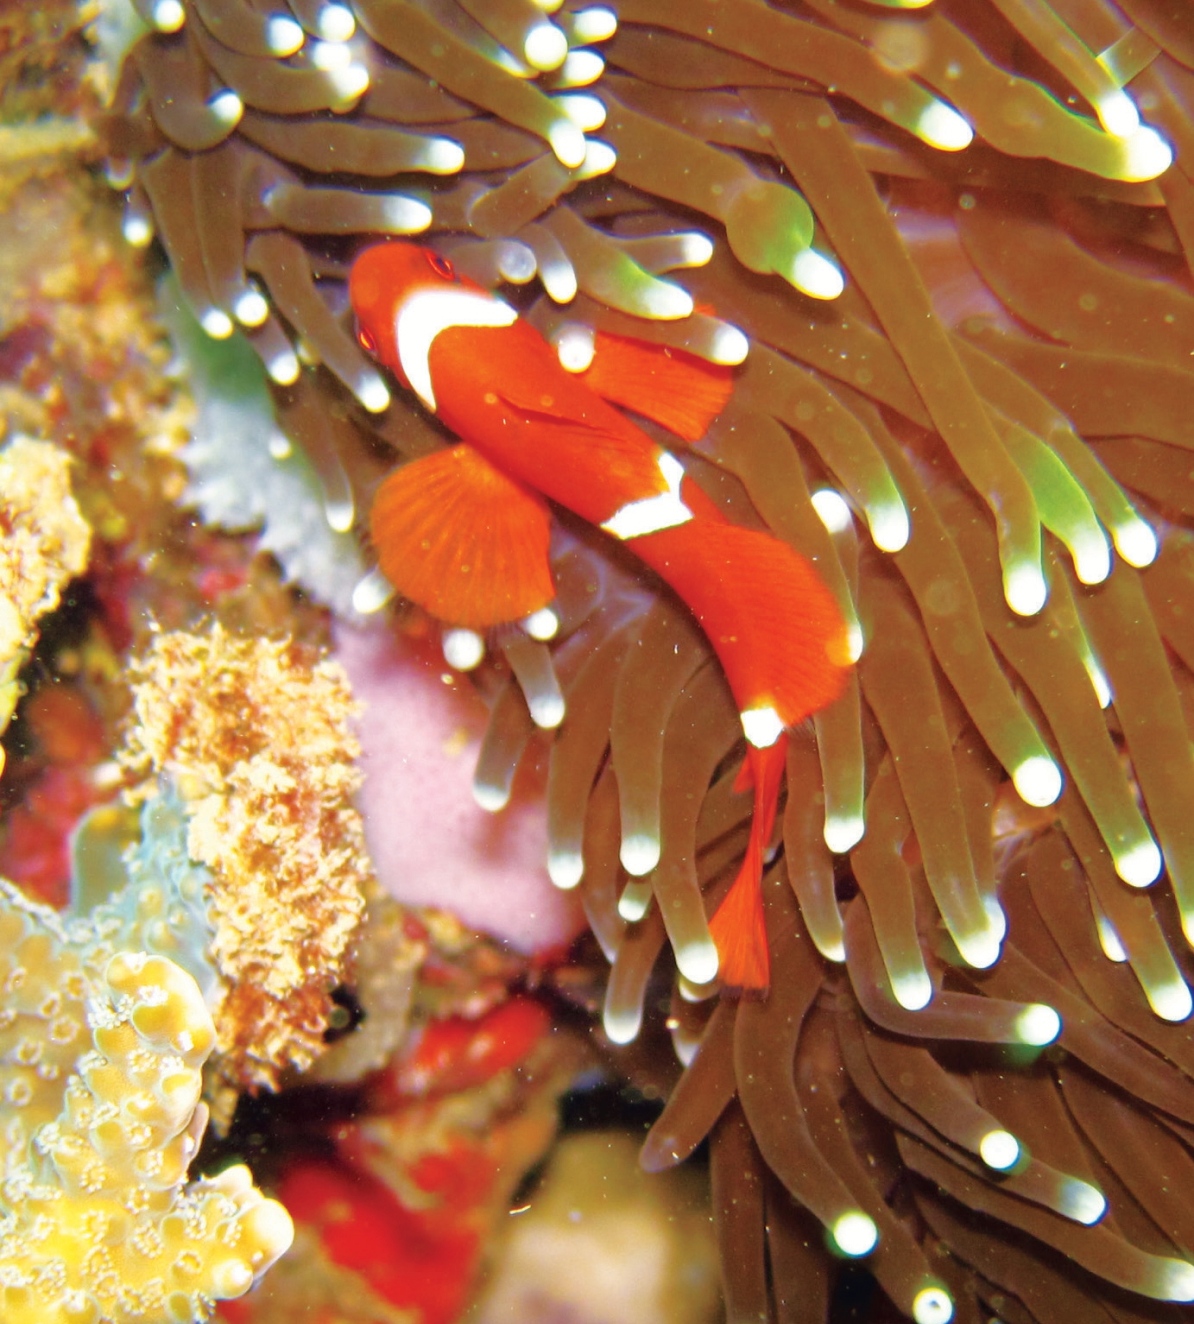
[440, 265]
[367, 341]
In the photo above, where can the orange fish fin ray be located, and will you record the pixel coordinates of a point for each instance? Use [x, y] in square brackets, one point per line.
[462, 540]
[675, 389]
[775, 626]
[764, 769]
[738, 929]
[767, 774]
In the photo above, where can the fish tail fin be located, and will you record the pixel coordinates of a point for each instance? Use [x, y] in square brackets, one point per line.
[738, 927]
[739, 933]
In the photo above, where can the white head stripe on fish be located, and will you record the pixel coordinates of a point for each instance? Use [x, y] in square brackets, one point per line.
[653, 514]
[423, 315]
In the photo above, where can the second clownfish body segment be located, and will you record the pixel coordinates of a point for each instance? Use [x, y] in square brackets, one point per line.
[464, 532]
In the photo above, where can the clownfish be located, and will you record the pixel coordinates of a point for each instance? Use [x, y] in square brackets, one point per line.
[464, 532]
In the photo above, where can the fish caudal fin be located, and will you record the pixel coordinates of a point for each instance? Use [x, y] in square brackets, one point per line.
[738, 928]
[672, 388]
[462, 540]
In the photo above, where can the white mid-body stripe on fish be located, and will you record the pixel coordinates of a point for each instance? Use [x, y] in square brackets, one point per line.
[653, 514]
[424, 314]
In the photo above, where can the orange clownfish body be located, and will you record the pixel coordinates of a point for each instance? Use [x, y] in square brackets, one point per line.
[464, 532]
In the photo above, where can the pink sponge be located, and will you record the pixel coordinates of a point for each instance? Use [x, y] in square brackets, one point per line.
[431, 844]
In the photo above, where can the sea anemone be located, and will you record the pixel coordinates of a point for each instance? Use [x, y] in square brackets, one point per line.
[972, 1066]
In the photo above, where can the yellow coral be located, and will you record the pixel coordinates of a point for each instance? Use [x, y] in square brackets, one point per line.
[44, 542]
[99, 1224]
[255, 734]
[43, 1025]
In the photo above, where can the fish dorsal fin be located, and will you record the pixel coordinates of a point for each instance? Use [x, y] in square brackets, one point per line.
[462, 540]
[672, 388]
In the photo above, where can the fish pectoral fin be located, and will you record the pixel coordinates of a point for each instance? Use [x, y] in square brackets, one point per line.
[677, 390]
[462, 540]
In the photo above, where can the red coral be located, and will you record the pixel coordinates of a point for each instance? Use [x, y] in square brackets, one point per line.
[457, 1054]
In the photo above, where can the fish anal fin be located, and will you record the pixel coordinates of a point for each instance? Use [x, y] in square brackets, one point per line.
[675, 389]
[462, 540]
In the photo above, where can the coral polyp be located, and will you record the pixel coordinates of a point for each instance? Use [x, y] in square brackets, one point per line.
[97, 1219]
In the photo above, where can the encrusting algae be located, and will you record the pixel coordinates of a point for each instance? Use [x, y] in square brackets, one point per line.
[253, 735]
[44, 542]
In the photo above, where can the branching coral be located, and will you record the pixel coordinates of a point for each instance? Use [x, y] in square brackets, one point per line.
[995, 397]
[101, 1067]
[44, 541]
[254, 736]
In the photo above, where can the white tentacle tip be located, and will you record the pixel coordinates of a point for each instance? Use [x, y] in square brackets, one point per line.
[543, 624]
[932, 1305]
[843, 832]
[565, 868]
[493, 799]
[547, 710]
[639, 854]
[913, 990]
[730, 346]
[942, 127]
[575, 346]
[999, 1150]
[463, 649]
[855, 1233]
[217, 323]
[1038, 781]
[1038, 1025]
[544, 46]
[622, 1027]
[1136, 542]
[284, 368]
[372, 593]
[698, 961]
[283, 35]
[568, 143]
[168, 15]
[336, 23]
[227, 107]
[1141, 864]
[832, 509]
[137, 230]
[1025, 589]
[1146, 155]
[816, 276]
[251, 308]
